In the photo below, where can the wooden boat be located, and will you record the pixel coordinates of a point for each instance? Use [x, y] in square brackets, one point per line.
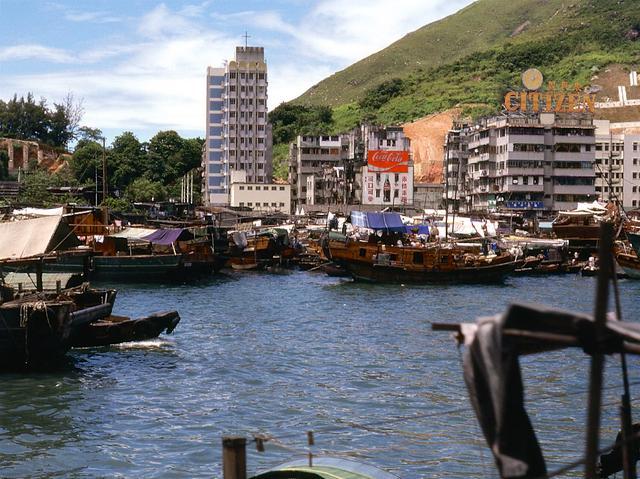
[437, 262]
[36, 328]
[629, 262]
[260, 248]
[583, 224]
[325, 468]
[120, 329]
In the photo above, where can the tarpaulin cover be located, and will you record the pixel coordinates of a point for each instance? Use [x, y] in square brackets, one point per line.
[132, 233]
[29, 238]
[168, 236]
[387, 221]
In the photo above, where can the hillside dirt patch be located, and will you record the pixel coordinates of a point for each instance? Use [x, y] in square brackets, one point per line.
[427, 137]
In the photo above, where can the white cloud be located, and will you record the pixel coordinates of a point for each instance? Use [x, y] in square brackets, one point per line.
[35, 52]
[93, 17]
[155, 79]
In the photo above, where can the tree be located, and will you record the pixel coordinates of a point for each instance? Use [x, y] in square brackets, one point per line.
[143, 189]
[25, 119]
[291, 120]
[127, 160]
[86, 161]
[170, 156]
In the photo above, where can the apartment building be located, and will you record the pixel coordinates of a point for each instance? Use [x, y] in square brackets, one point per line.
[238, 136]
[311, 161]
[387, 177]
[529, 162]
[617, 163]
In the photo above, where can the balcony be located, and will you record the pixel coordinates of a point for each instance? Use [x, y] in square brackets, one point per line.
[574, 189]
[511, 188]
[513, 171]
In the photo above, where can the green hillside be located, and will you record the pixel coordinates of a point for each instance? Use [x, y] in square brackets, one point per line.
[475, 54]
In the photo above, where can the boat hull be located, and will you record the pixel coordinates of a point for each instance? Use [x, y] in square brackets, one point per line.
[433, 264]
[118, 329]
[395, 274]
[630, 264]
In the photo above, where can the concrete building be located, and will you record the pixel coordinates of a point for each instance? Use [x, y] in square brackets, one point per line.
[238, 135]
[609, 182]
[631, 169]
[263, 197]
[309, 159]
[387, 177]
[617, 163]
[536, 162]
[455, 168]
[429, 196]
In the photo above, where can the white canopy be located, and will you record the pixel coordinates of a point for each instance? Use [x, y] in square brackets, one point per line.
[35, 237]
[39, 212]
[134, 233]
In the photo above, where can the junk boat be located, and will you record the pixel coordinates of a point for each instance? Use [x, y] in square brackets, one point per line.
[387, 256]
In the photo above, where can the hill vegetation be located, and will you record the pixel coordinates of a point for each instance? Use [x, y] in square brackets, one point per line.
[472, 57]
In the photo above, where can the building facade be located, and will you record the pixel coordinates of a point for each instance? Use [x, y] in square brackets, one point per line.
[618, 163]
[387, 176]
[312, 160]
[238, 135]
[535, 162]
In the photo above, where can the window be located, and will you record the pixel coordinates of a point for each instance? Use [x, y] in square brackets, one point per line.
[274, 204]
[249, 203]
[250, 187]
[635, 161]
[378, 193]
[242, 203]
[282, 204]
[362, 252]
[274, 188]
[282, 188]
[396, 193]
[241, 188]
[397, 177]
[418, 258]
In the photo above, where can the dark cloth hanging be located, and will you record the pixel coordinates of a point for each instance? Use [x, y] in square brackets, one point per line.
[492, 375]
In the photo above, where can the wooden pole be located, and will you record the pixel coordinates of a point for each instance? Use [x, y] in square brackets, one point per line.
[234, 457]
[39, 275]
[597, 359]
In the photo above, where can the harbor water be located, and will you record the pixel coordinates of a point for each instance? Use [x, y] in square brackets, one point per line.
[282, 354]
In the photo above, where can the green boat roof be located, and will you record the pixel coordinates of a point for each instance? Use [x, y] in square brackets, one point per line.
[325, 468]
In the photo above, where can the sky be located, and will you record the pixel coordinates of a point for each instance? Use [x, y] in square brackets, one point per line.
[140, 65]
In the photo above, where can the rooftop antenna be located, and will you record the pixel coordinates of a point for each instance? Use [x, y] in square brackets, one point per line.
[246, 39]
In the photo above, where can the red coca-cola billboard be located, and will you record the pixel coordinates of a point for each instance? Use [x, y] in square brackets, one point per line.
[388, 161]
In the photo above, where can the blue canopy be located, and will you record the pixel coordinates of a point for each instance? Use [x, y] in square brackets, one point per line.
[387, 221]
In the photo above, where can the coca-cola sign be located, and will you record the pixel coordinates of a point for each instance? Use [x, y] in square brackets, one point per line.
[388, 161]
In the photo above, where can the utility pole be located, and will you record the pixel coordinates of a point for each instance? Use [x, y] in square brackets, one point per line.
[446, 190]
[610, 182]
[105, 211]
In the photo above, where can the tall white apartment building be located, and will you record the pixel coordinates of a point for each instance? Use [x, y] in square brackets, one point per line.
[238, 135]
